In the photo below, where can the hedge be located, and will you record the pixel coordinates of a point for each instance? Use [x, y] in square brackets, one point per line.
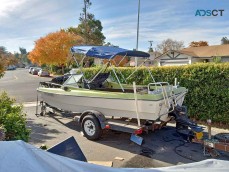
[208, 85]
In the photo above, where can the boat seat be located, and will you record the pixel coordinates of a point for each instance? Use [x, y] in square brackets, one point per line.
[97, 82]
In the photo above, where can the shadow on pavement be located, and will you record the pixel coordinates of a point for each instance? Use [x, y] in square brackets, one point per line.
[166, 145]
[160, 148]
[73, 125]
[39, 132]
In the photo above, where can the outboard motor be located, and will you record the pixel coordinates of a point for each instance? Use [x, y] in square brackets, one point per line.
[184, 126]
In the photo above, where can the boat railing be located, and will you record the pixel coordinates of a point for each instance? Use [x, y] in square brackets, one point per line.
[137, 67]
[50, 85]
[160, 87]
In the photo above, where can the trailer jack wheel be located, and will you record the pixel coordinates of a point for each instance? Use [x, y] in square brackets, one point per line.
[43, 110]
[91, 127]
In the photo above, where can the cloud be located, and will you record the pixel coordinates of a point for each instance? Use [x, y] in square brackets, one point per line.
[24, 21]
[8, 6]
[162, 23]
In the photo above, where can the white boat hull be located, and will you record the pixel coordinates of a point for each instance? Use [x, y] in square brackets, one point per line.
[147, 109]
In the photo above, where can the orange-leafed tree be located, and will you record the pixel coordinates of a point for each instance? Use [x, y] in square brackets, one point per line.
[198, 43]
[53, 49]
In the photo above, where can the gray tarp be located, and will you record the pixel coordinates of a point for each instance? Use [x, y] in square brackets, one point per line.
[18, 156]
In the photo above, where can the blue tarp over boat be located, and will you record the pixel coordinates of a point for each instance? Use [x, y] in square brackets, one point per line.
[106, 52]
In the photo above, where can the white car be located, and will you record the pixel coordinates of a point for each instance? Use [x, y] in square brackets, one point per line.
[30, 69]
[43, 72]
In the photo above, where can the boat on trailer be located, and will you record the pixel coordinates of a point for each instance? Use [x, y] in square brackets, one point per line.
[104, 96]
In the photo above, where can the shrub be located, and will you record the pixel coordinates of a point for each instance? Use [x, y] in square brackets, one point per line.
[208, 85]
[12, 119]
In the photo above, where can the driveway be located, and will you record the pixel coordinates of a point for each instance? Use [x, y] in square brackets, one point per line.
[161, 148]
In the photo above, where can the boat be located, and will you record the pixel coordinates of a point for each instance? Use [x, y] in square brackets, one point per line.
[153, 101]
[108, 101]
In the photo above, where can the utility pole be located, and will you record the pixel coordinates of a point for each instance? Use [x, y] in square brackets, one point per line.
[136, 59]
[150, 47]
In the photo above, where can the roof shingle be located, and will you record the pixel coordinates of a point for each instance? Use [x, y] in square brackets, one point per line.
[207, 51]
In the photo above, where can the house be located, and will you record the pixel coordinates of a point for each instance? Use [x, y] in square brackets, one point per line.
[194, 54]
[149, 62]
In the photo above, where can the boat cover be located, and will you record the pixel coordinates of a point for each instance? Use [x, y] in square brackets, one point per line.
[18, 156]
[106, 52]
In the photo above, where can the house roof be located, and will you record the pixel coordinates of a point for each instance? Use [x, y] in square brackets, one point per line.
[207, 51]
[179, 52]
[203, 51]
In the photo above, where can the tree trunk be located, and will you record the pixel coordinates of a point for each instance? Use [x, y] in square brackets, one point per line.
[62, 69]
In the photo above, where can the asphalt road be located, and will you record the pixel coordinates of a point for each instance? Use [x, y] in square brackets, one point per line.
[21, 85]
[161, 148]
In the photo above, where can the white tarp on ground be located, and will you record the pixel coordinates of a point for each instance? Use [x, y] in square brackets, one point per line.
[18, 156]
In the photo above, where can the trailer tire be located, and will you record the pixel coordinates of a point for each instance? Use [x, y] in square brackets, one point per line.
[91, 127]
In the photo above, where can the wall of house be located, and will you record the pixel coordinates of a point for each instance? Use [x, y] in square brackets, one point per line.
[201, 59]
[175, 59]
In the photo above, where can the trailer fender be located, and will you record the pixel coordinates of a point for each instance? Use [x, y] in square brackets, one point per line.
[97, 114]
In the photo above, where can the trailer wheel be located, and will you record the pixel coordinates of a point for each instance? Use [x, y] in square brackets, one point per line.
[91, 127]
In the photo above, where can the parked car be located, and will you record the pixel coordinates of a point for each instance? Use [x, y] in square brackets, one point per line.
[30, 69]
[11, 67]
[35, 70]
[27, 67]
[43, 72]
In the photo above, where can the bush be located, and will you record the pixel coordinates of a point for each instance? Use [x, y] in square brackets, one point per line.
[12, 119]
[208, 85]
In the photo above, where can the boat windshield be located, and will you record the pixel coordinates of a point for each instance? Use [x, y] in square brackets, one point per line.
[73, 80]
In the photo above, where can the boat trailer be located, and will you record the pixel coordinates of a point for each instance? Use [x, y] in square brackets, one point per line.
[184, 125]
[190, 131]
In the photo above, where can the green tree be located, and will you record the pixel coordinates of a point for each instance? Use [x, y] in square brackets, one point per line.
[22, 50]
[224, 40]
[24, 56]
[3, 50]
[89, 28]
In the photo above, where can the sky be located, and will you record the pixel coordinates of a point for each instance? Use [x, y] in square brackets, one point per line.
[24, 21]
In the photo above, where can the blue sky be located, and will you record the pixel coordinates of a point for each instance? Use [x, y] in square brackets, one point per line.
[24, 21]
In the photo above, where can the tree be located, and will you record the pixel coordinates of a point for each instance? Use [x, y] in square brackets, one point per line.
[1, 68]
[198, 43]
[224, 40]
[22, 50]
[89, 28]
[6, 59]
[53, 49]
[3, 50]
[23, 56]
[170, 44]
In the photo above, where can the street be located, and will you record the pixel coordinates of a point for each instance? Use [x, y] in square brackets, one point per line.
[21, 85]
[161, 148]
